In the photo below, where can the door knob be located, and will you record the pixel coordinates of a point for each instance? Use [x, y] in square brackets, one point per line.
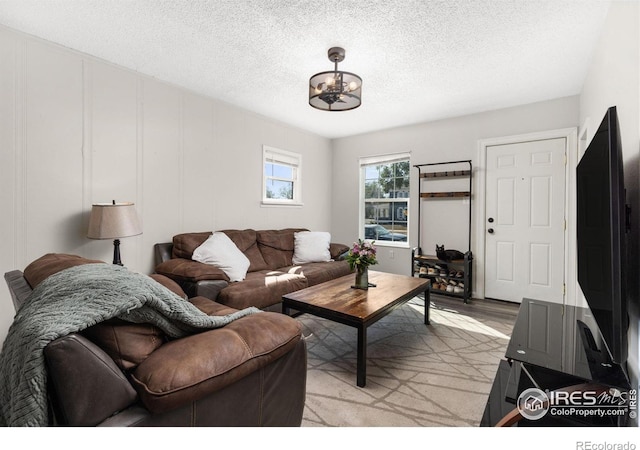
[490, 230]
[490, 219]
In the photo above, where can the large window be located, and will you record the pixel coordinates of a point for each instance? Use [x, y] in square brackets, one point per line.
[281, 177]
[384, 187]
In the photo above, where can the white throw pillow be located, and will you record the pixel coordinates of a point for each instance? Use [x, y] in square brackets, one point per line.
[311, 246]
[220, 251]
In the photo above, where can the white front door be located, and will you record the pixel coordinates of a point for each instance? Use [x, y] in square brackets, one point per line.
[524, 222]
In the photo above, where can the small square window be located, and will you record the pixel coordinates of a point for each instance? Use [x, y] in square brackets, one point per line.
[281, 177]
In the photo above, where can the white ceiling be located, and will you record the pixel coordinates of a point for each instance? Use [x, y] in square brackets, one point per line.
[420, 60]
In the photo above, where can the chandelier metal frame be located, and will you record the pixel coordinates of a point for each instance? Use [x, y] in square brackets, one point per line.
[335, 90]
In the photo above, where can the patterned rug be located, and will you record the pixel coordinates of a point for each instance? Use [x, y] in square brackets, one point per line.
[438, 375]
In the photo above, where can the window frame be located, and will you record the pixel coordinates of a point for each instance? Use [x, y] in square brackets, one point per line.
[287, 159]
[365, 162]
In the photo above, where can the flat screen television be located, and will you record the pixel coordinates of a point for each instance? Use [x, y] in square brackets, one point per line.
[601, 235]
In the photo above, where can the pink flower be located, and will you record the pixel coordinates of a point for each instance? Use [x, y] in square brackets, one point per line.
[362, 254]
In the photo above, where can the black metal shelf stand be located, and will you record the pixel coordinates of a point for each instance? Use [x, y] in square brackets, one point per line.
[425, 265]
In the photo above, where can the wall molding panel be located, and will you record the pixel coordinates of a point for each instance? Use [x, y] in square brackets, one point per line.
[87, 141]
[22, 182]
[139, 153]
[20, 150]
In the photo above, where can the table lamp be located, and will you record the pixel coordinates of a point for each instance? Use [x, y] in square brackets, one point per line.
[113, 221]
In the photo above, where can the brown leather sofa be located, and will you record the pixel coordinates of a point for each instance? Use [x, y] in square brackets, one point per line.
[251, 372]
[271, 273]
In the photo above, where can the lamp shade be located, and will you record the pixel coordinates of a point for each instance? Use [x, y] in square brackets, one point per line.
[113, 221]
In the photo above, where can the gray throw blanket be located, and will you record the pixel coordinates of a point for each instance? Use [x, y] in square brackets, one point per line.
[75, 299]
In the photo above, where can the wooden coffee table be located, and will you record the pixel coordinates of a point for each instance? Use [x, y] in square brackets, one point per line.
[337, 301]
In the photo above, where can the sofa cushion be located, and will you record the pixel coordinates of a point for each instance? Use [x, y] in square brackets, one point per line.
[128, 344]
[184, 244]
[220, 251]
[261, 289]
[177, 373]
[180, 269]
[169, 284]
[319, 272]
[277, 246]
[52, 263]
[246, 241]
[336, 250]
[211, 308]
[311, 246]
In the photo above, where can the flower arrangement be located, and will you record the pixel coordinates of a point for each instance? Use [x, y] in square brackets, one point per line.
[362, 254]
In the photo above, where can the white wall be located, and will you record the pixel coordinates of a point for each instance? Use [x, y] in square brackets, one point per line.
[613, 79]
[75, 131]
[445, 140]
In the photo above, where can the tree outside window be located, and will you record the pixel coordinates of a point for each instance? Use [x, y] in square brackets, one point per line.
[279, 181]
[385, 204]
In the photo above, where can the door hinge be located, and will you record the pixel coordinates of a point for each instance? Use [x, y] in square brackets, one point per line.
[564, 225]
[565, 158]
[564, 289]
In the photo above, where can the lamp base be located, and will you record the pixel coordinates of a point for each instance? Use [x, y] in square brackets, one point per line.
[116, 252]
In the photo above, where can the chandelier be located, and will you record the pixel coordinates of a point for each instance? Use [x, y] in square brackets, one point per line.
[335, 90]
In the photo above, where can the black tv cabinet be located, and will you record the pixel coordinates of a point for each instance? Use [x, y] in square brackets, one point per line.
[557, 349]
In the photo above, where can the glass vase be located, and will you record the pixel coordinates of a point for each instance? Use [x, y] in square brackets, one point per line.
[362, 277]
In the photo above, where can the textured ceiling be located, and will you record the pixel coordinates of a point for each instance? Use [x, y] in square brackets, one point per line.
[420, 60]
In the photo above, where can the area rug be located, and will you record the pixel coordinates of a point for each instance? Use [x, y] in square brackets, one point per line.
[438, 375]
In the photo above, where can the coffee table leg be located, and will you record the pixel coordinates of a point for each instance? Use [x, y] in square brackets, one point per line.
[362, 356]
[427, 304]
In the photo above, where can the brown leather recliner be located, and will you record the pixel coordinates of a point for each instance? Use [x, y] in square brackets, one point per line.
[251, 372]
